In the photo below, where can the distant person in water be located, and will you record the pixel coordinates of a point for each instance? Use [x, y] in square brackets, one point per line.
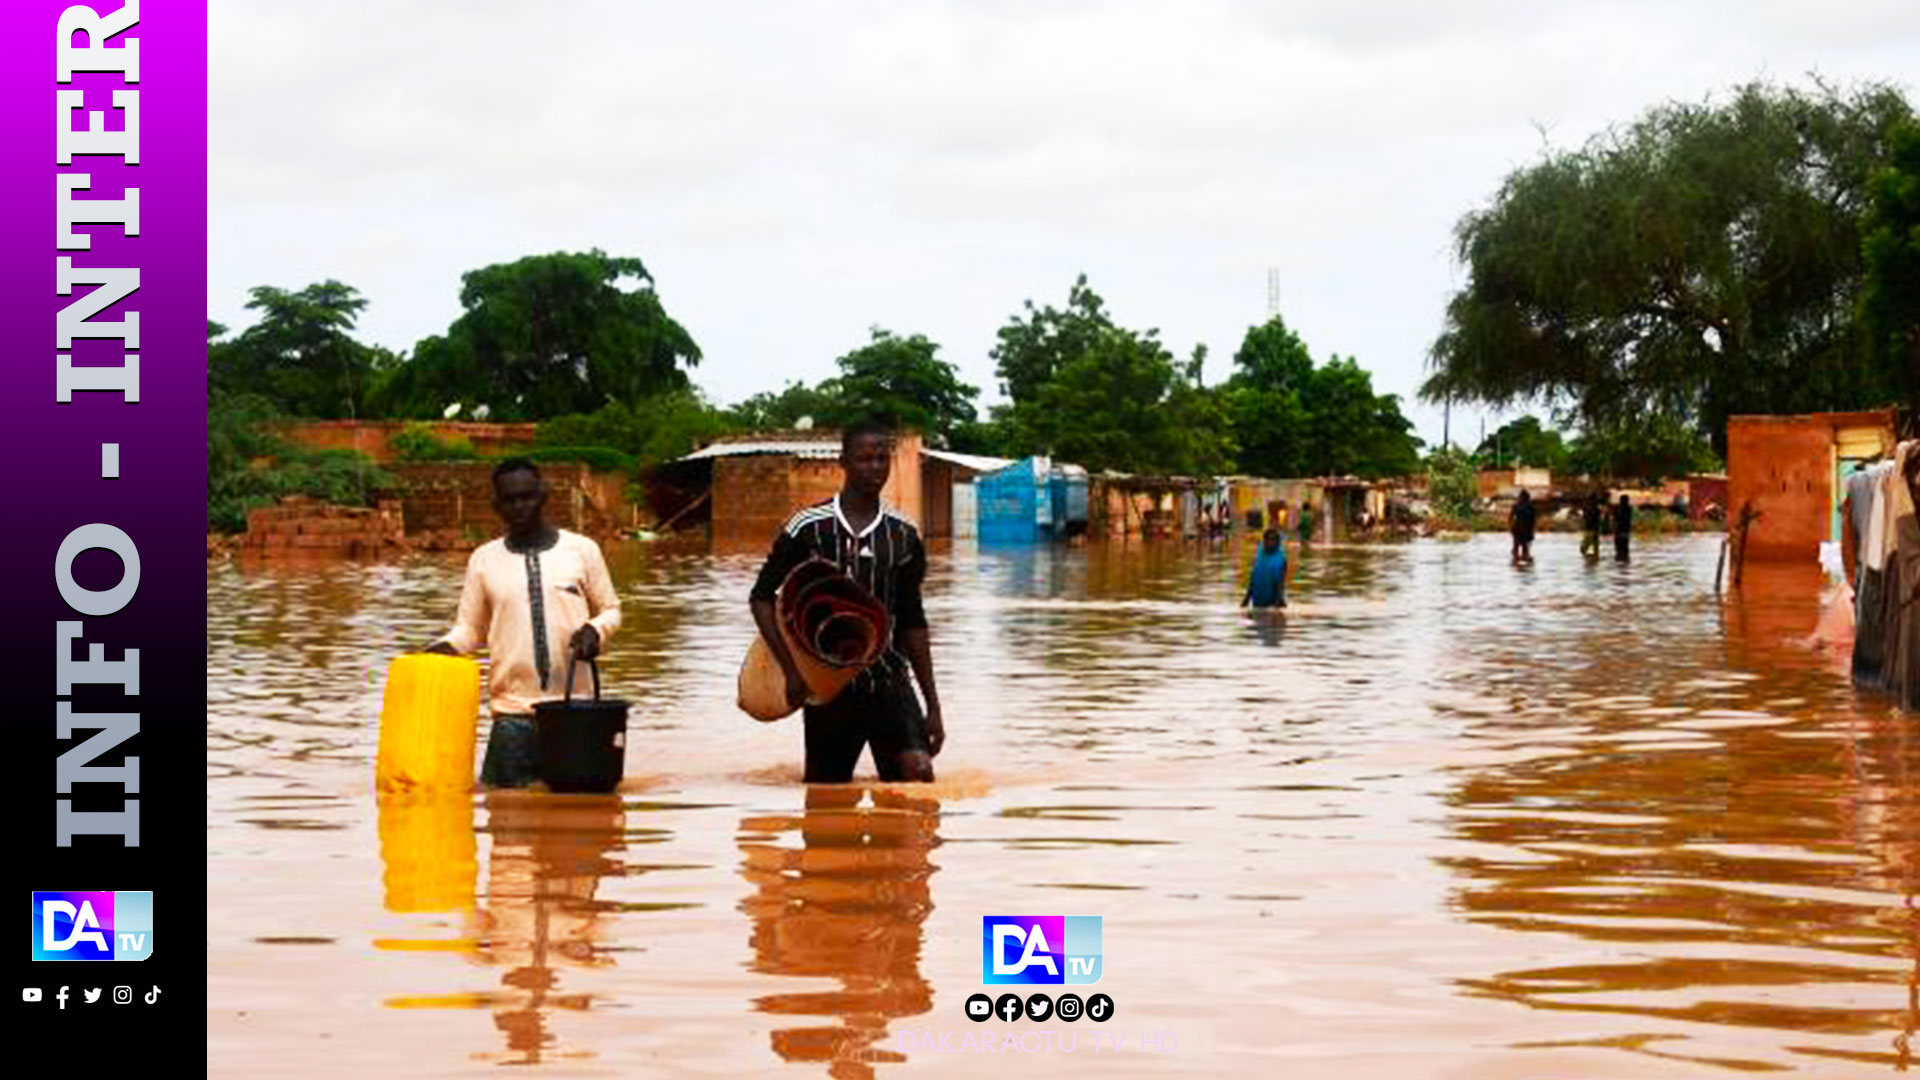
[1622, 529]
[1590, 526]
[1267, 584]
[1306, 521]
[1521, 522]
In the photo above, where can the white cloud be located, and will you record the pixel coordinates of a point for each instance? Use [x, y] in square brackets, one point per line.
[793, 174]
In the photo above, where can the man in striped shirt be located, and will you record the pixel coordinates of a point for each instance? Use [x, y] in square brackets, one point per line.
[880, 549]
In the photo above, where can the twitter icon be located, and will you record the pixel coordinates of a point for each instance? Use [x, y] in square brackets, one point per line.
[91, 995]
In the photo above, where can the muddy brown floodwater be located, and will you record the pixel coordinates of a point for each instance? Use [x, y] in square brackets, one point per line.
[1447, 819]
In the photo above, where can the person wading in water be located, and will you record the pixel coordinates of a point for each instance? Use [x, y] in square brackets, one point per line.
[1590, 526]
[1267, 582]
[531, 598]
[1521, 522]
[881, 551]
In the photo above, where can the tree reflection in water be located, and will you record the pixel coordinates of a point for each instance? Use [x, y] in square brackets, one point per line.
[846, 904]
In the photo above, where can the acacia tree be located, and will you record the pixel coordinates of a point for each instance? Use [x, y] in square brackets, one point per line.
[1702, 262]
[546, 336]
[300, 358]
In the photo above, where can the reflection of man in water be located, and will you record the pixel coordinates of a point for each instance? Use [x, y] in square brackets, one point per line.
[881, 551]
[847, 904]
[531, 598]
[547, 861]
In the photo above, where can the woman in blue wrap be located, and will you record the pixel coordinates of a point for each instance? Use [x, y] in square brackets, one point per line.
[1267, 585]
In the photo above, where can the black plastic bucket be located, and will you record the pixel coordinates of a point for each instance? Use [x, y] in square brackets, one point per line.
[582, 744]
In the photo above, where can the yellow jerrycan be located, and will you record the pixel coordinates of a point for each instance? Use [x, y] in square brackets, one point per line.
[428, 724]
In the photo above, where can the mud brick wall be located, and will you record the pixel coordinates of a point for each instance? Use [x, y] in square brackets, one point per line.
[456, 499]
[370, 437]
[755, 494]
[750, 496]
[303, 526]
[1782, 466]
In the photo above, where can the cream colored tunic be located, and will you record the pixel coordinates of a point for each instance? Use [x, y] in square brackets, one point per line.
[496, 612]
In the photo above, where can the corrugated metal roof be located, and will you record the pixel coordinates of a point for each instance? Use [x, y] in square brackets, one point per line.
[976, 462]
[814, 448]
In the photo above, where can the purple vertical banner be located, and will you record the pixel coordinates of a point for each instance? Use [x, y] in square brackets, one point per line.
[103, 251]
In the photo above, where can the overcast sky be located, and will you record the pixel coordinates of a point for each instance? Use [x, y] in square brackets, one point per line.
[794, 173]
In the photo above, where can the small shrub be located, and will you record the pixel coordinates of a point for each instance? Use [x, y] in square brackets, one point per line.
[417, 442]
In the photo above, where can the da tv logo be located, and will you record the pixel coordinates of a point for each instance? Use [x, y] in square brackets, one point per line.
[92, 925]
[1040, 949]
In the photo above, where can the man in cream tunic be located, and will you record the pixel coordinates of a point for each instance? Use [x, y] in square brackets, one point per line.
[530, 598]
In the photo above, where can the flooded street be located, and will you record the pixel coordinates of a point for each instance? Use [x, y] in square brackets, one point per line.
[1447, 819]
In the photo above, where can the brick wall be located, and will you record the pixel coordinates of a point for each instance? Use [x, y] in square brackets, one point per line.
[455, 500]
[750, 497]
[754, 495]
[1784, 466]
[303, 526]
[371, 437]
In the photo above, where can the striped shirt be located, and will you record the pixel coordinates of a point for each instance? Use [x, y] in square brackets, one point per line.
[886, 558]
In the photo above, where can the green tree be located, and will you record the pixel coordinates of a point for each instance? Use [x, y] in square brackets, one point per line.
[1124, 404]
[1452, 485]
[1031, 349]
[249, 466]
[649, 431]
[1290, 418]
[902, 381]
[991, 437]
[1703, 262]
[1524, 441]
[1351, 430]
[1890, 300]
[768, 411]
[1272, 370]
[1651, 447]
[545, 336]
[300, 356]
[1087, 391]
